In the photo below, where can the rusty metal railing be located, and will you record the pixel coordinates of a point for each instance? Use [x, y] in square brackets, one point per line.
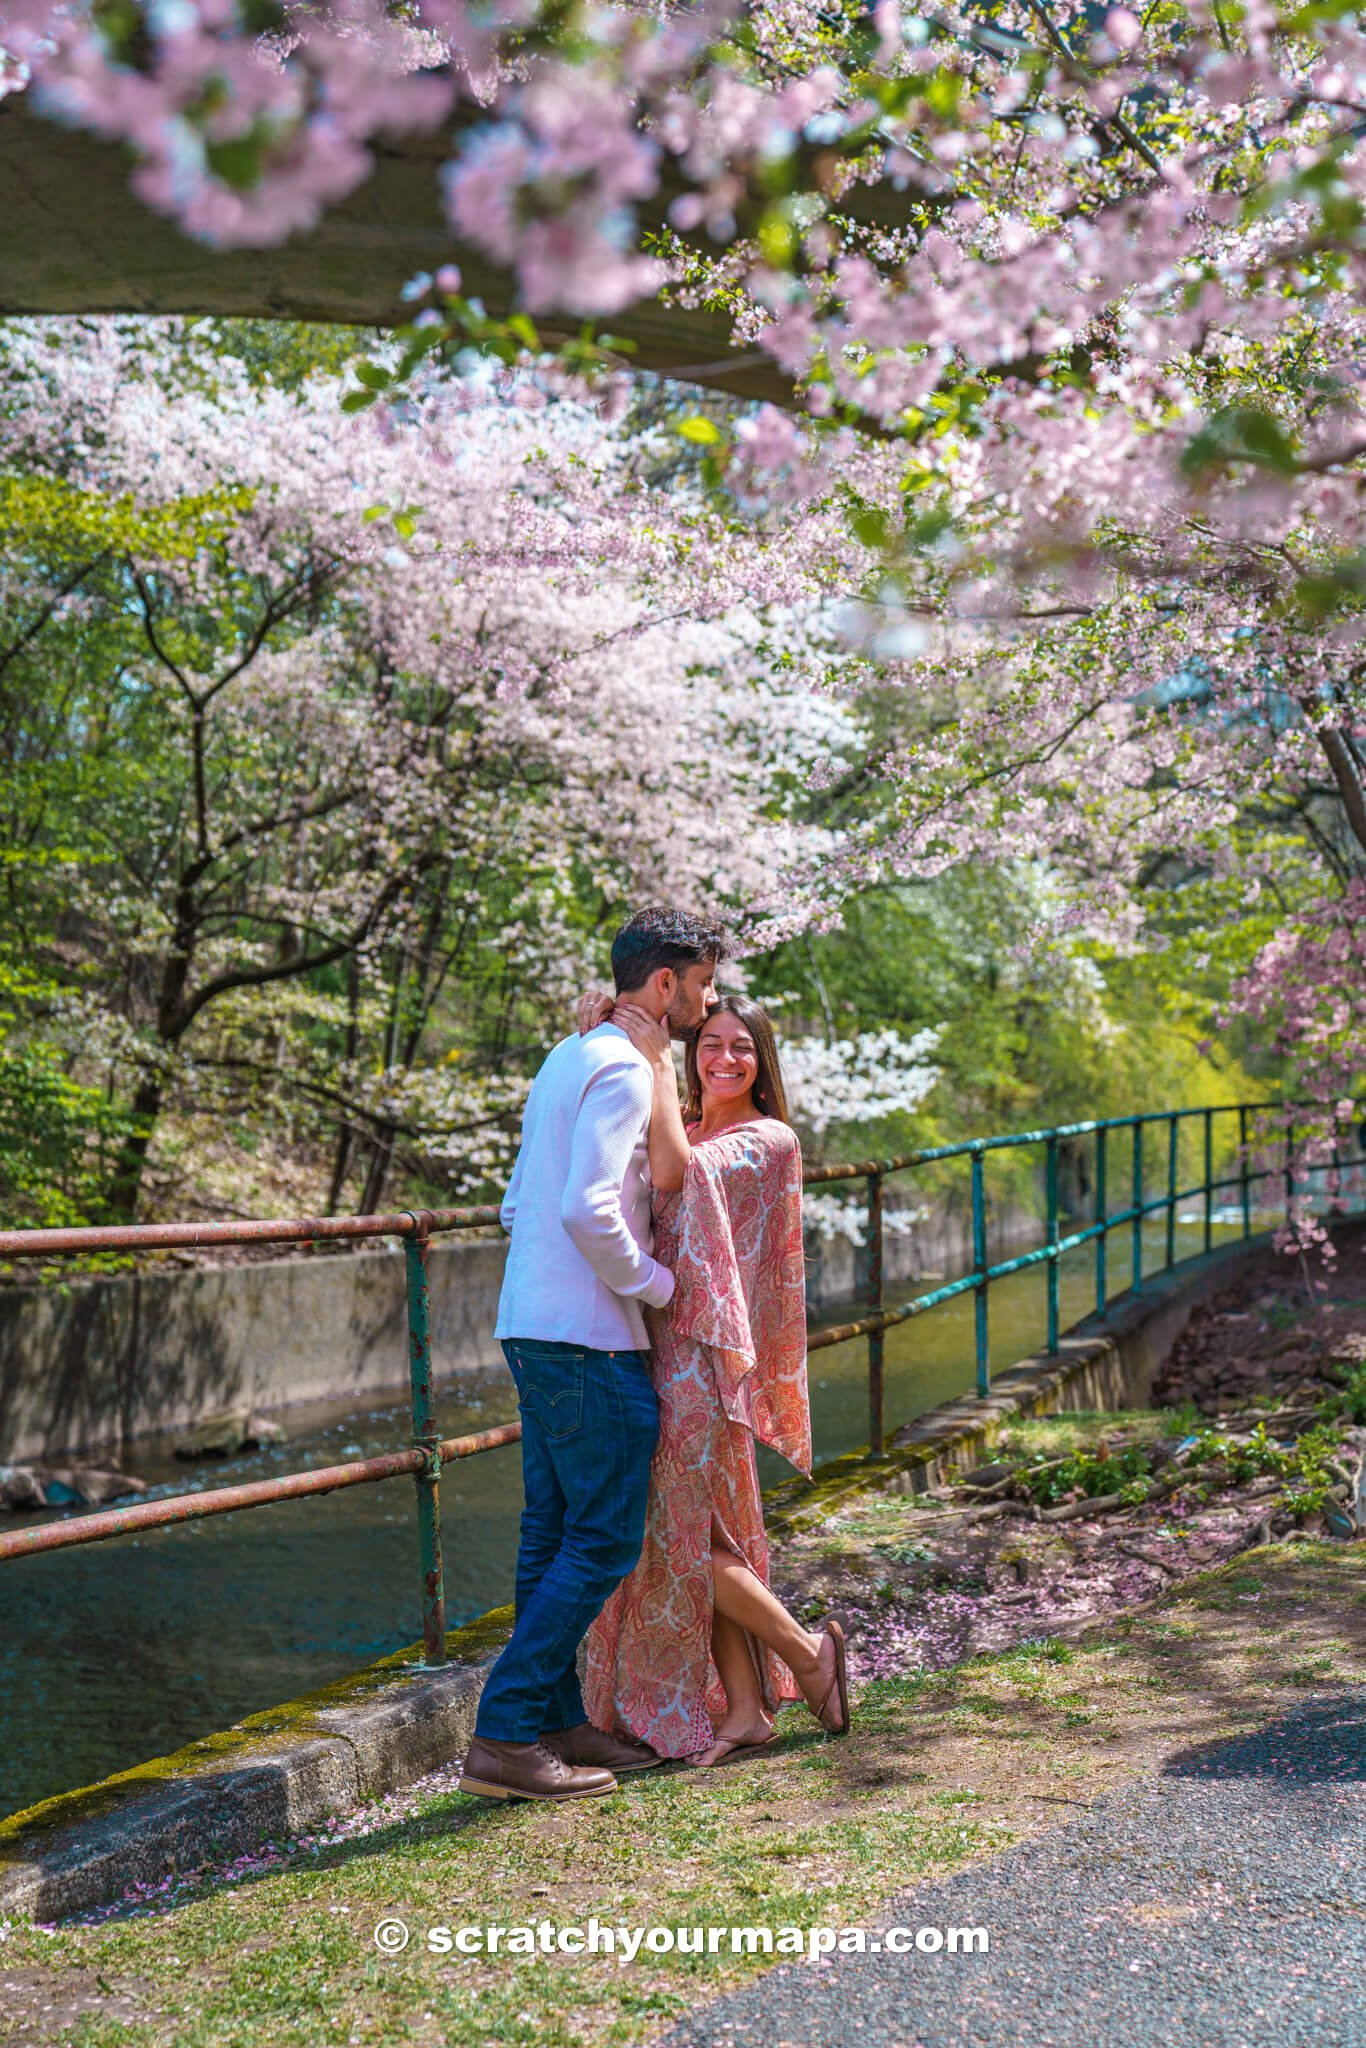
[424, 1459]
[428, 1452]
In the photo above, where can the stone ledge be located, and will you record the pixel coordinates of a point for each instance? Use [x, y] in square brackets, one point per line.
[276, 1773]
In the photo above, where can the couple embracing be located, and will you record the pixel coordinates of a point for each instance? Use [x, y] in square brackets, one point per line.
[653, 1317]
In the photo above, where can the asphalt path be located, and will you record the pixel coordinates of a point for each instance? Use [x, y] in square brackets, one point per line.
[1220, 1903]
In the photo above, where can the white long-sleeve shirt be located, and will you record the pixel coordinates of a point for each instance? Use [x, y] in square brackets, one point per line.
[578, 1204]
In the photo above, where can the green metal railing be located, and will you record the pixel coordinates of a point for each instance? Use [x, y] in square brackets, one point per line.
[428, 1452]
[1136, 1209]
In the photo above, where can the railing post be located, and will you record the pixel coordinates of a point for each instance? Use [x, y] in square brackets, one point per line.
[1102, 1288]
[1209, 1179]
[1244, 1171]
[1137, 1206]
[425, 1439]
[1173, 1141]
[875, 1337]
[979, 1264]
[1051, 1193]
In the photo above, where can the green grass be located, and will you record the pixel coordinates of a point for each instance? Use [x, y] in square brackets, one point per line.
[1079, 1429]
[819, 1836]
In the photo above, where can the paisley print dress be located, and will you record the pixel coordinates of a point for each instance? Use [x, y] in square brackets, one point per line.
[728, 1362]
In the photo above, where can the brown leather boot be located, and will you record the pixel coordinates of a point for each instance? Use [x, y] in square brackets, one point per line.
[588, 1745]
[528, 1770]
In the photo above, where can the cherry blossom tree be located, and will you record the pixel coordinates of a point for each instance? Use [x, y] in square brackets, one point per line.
[336, 730]
[1168, 697]
[1098, 279]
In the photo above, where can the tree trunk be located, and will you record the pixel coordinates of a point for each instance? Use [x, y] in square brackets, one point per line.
[376, 1179]
[341, 1166]
[1342, 759]
[125, 1186]
[341, 1163]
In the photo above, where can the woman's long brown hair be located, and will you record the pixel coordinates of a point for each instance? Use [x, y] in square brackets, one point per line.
[770, 1097]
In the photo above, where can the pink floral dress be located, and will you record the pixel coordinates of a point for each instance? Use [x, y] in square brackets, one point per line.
[728, 1362]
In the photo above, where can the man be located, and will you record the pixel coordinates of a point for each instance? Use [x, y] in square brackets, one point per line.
[579, 1272]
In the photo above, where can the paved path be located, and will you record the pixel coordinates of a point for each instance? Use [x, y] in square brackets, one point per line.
[1219, 1904]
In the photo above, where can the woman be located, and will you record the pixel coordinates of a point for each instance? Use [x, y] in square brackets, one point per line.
[693, 1654]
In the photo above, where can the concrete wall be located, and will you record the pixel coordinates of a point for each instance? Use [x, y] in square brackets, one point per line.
[88, 1364]
[100, 1360]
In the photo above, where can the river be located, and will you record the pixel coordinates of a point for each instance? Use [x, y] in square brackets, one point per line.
[124, 1650]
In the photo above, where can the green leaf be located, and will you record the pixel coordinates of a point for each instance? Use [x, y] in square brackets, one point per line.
[373, 377]
[1305, 19]
[703, 431]
[870, 526]
[1241, 433]
[356, 401]
[777, 237]
[930, 527]
[237, 162]
[943, 92]
[525, 332]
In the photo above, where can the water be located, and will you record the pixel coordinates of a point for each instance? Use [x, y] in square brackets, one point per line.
[124, 1650]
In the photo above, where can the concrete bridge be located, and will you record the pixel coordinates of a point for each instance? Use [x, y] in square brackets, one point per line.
[77, 240]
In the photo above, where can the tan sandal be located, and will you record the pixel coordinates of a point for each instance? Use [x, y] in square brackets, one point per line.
[839, 1684]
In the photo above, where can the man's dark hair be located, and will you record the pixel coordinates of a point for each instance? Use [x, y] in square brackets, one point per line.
[660, 937]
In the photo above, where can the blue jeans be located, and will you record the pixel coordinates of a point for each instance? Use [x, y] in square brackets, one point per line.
[589, 1424]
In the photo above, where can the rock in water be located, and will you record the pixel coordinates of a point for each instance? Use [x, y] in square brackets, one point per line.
[20, 1488]
[220, 1435]
[226, 1432]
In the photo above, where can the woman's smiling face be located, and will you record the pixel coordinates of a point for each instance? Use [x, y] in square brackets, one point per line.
[727, 1062]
